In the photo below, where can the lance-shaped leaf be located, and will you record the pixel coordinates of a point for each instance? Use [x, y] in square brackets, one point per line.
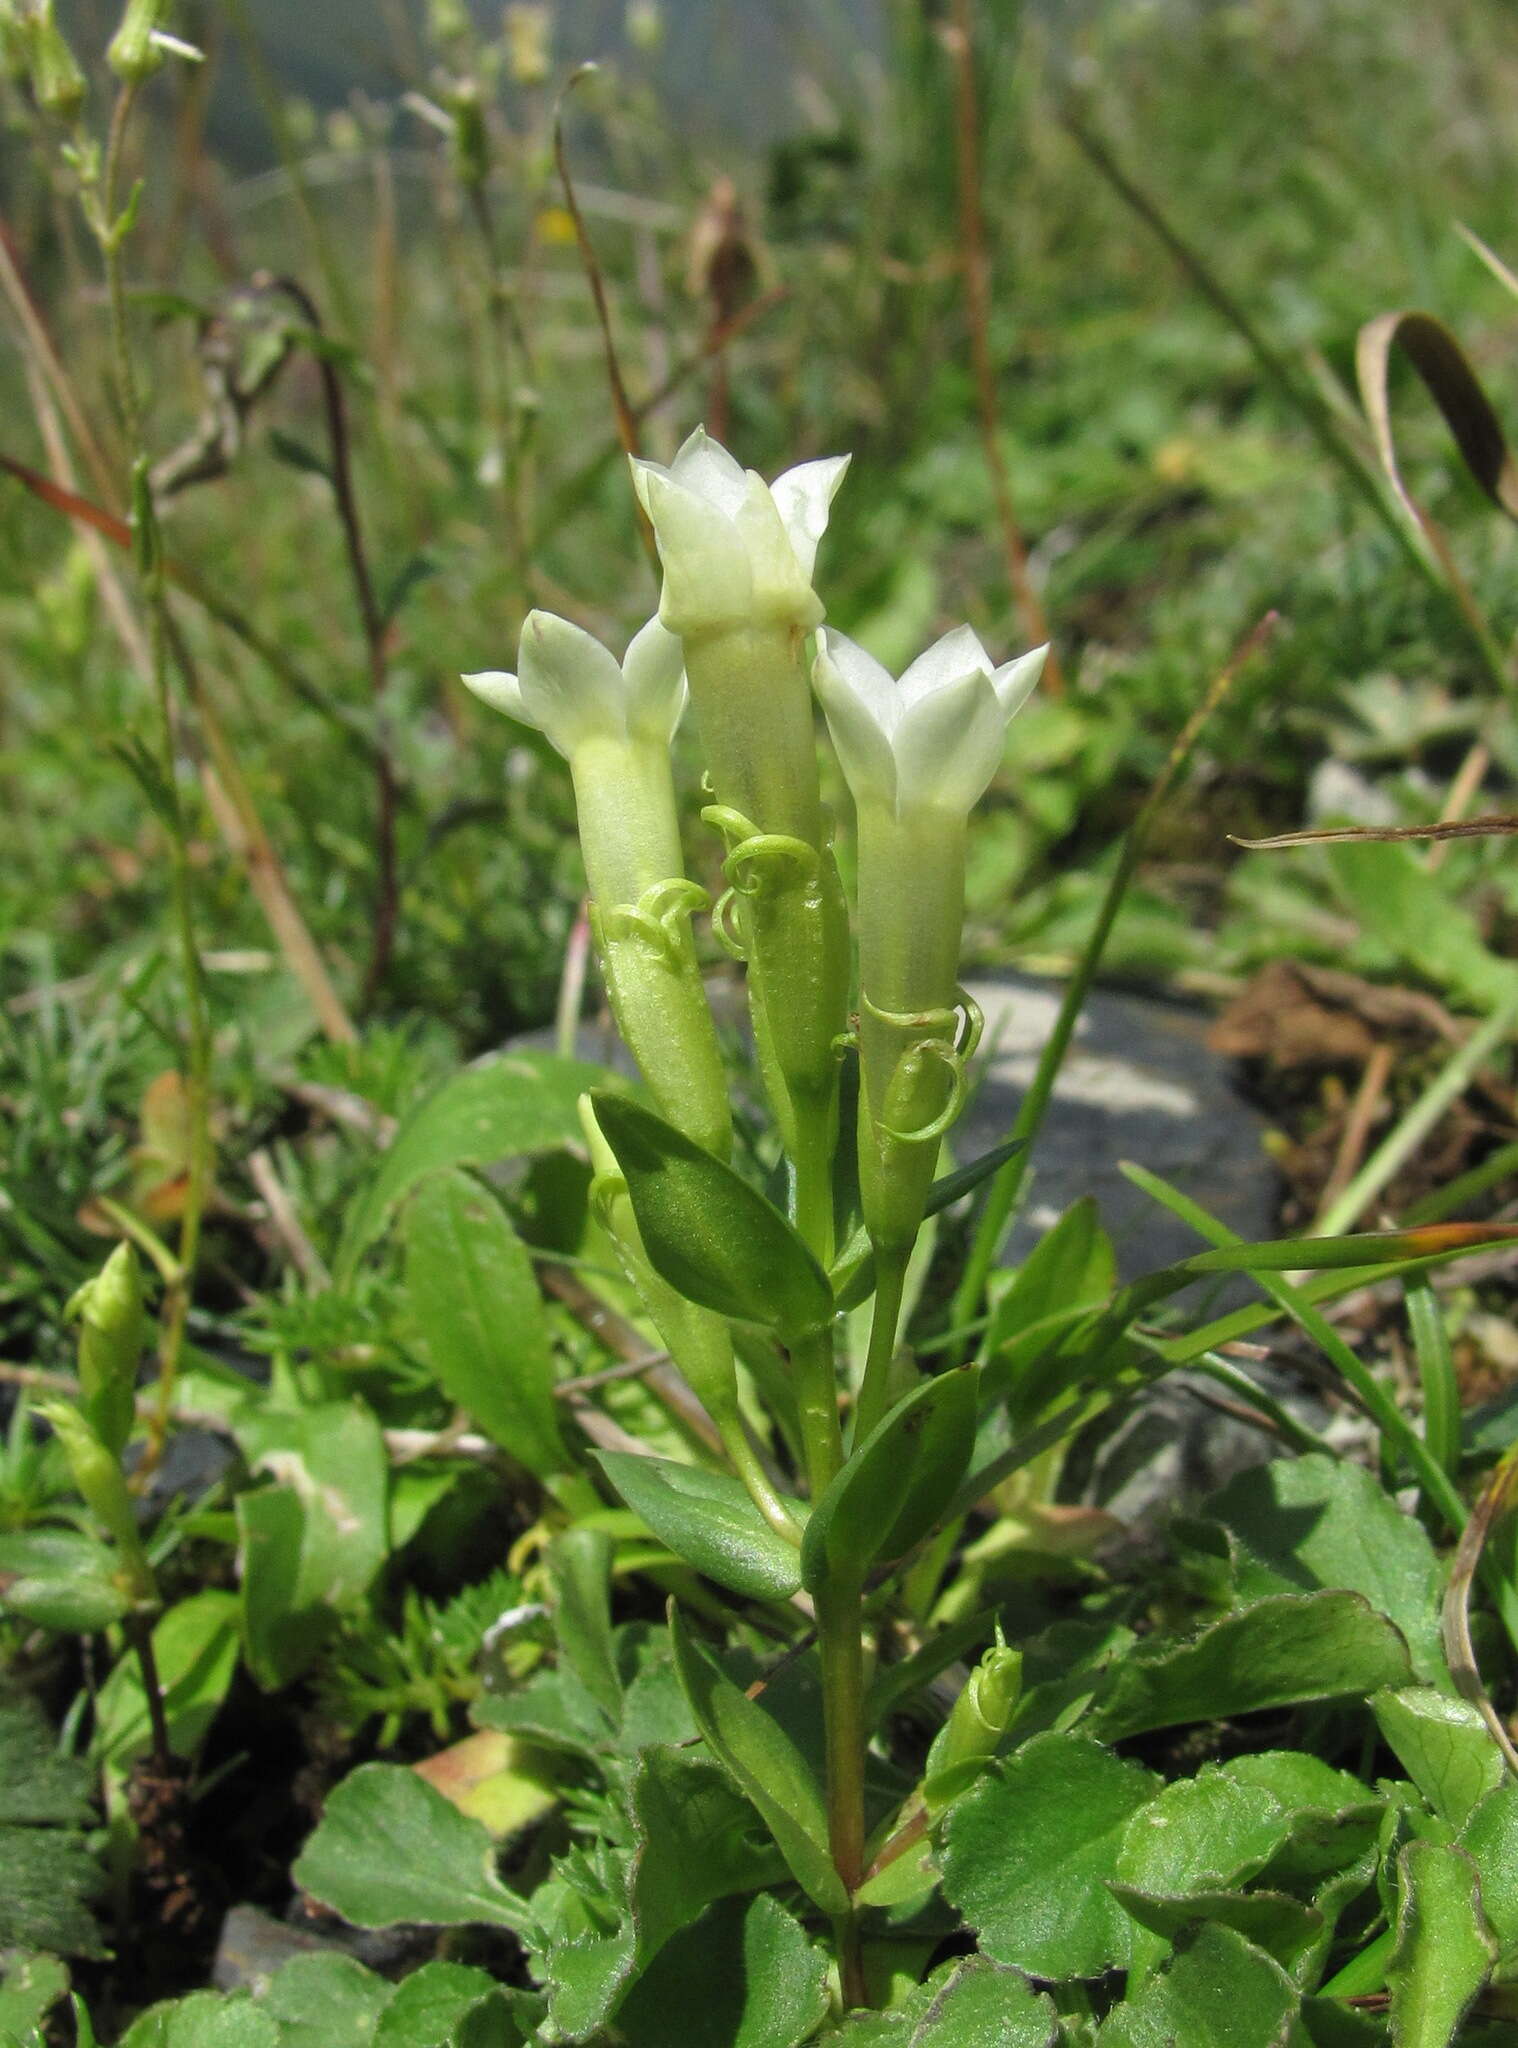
[707, 1232]
[708, 1519]
[756, 1751]
[895, 1487]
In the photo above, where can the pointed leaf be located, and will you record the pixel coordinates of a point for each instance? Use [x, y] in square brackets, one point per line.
[715, 1239]
[475, 1301]
[765, 1763]
[708, 1519]
[1444, 1949]
[1220, 1991]
[579, 1564]
[1444, 1747]
[896, 1485]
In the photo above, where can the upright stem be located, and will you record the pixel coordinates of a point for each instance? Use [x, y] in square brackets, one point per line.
[176, 1306]
[817, 1410]
[890, 1285]
[840, 1625]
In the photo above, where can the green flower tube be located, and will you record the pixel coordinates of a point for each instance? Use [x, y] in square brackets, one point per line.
[112, 1329]
[738, 556]
[97, 1474]
[613, 722]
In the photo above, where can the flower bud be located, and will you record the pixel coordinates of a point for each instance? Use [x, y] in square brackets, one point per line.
[645, 24]
[57, 82]
[112, 1328]
[978, 1720]
[97, 1475]
[528, 45]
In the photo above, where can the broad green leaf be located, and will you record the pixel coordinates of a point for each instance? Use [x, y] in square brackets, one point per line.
[969, 2003]
[694, 1842]
[1395, 895]
[389, 1849]
[447, 2005]
[766, 1765]
[1301, 1523]
[1445, 1948]
[1282, 1926]
[195, 1649]
[472, 1295]
[1333, 1817]
[1277, 1653]
[1444, 1746]
[507, 1108]
[715, 1239]
[60, 1579]
[206, 2019]
[1206, 1834]
[708, 1519]
[1490, 1838]
[1220, 1992]
[1027, 1854]
[326, 2001]
[744, 1975]
[33, 1985]
[311, 1544]
[50, 1873]
[895, 1486]
[579, 1566]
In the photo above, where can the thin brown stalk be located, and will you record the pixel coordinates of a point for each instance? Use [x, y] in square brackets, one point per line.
[975, 275]
[285, 1223]
[1497, 1499]
[1462, 791]
[1357, 1125]
[372, 624]
[40, 343]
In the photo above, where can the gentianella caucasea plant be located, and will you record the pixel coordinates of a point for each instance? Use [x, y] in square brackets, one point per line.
[740, 636]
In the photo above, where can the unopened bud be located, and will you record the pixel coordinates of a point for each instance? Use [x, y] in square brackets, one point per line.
[471, 142]
[97, 1475]
[645, 24]
[57, 82]
[978, 1720]
[111, 1331]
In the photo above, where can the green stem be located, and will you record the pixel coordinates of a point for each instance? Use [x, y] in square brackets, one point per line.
[817, 1410]
[874, 1387]
[813, 1141]
[176, 1304]
[840, 1626]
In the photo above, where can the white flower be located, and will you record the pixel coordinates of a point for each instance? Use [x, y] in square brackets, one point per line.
[736, 550]
[931, 741]
[573, 690]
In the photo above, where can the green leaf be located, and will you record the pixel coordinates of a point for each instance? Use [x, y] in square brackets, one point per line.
[389, 1849]
[33, 1985]
[969, 2003]
[1277, 1653]
[1301, 1523]
[1203, 1834]
[1490, 1838]
[60, 1579]
[50, 1873]
[506, 1108]
[1444, 1947]
[205, 2019]
[715, 1239]
[472, 1295]
[326, 2001]
[1334, 1818]
[708, 1519]
[1282, 1926]
[579, 1565]
[743, 1976]
[310, 1545]
[447, 2005]
[1394, 895]
[1027, 1854]
[1220, 1992]
[1444, 1746]
[195, 1647]
[1071, 1271]
[766, 1765]
[895, 1486]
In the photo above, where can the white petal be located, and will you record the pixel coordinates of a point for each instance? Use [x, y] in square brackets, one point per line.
[859, 699]
[653, 671]
[956, 655]
[1014, 681]
[707, 579]
[803, 496]
[705, 467]
[782, 588]
[949, 745]
[572, 687]
[498, 688]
